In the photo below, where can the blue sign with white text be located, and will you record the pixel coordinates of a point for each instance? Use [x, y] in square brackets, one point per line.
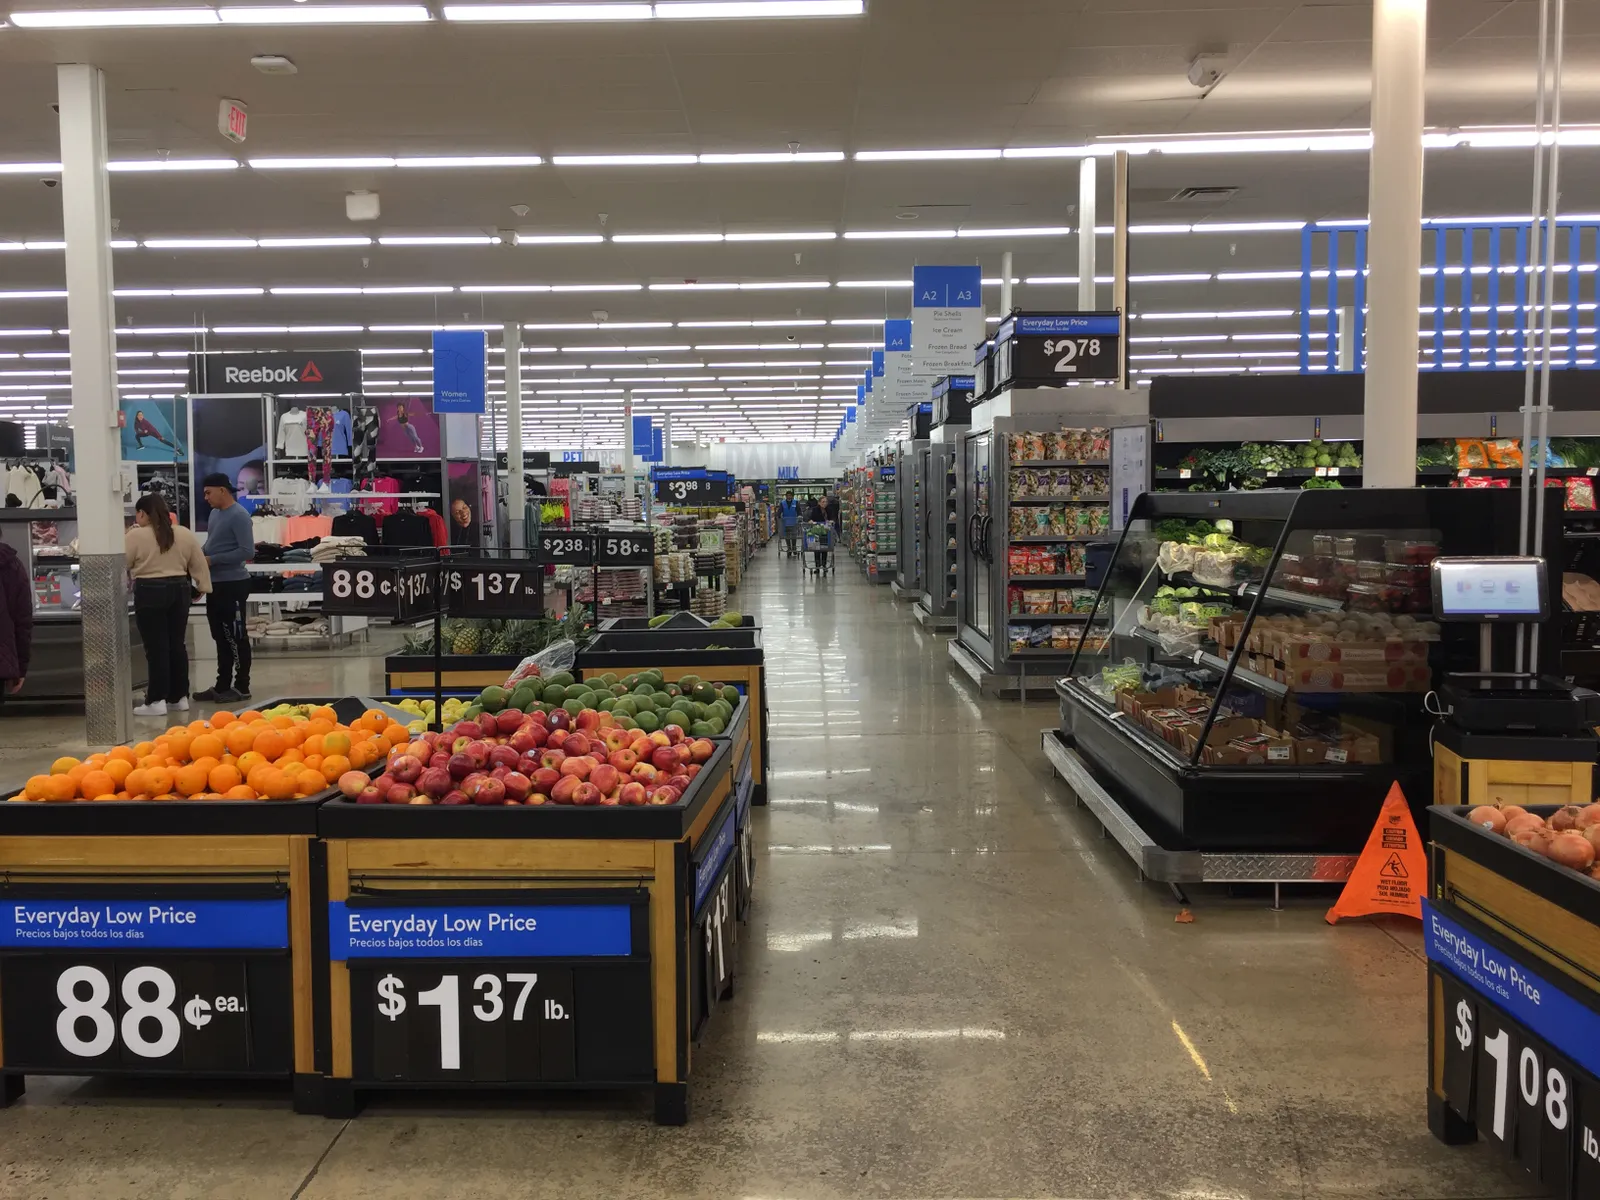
[721, 847]
[897, 335]
[850, 415]
[146, 924]
[1089, 324]
[877, 364]
[460, 358]
[947, 287]
[479, 931]
[1572, 1028]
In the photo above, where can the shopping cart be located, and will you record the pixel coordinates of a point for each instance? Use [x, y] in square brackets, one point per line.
[818, 542]
[791, 540]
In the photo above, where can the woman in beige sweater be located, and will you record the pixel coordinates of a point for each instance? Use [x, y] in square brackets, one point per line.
[165, 560]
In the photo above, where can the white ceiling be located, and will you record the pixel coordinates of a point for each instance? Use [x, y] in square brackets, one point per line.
[909, 74]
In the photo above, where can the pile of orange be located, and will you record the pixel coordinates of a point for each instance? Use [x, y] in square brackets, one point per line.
[228, 757]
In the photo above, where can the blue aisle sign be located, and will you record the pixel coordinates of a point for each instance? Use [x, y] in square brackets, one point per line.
[877, 364]
[144, 924]
[897, 335]
[460, 359]
[1569, 1027]
[705, 874]
[646, 439]
[850, 415]
[1088, 324]
[946, 318]
[479, 931]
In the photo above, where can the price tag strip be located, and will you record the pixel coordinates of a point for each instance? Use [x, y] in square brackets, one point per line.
[1521, 1058]
[625, 549]
[107, 986]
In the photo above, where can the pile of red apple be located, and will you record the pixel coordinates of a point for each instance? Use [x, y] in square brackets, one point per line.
[534, 758]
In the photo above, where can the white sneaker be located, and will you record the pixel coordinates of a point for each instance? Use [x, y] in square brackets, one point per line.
[180, 705]
[155, 709]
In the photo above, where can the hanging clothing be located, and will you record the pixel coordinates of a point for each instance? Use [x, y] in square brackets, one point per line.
[356, 524]
[406, 528]
[381, 508]
[341, 433]
[291, 441]
[363, 441]
[319, 440]
[24, 483]
[441, 532]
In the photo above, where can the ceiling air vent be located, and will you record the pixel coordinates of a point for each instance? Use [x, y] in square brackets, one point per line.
[1205, 195]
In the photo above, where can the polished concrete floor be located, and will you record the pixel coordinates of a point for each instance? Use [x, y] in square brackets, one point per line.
[951, 987]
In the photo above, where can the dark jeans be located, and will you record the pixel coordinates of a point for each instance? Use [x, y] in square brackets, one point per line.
[161, 610]
[225, 615]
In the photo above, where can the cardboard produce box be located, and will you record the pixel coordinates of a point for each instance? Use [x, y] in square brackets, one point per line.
[1301, 649]
[1243, 742]
[1134, 703]
[1407, 676]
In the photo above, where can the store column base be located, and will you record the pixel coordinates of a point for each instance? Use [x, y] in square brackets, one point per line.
[1446, 1125]
[11, 1089]
[672, 1103]
[336, 1100]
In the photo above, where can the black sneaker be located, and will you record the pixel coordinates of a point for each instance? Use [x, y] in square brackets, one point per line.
[242, 693]
[218, 695]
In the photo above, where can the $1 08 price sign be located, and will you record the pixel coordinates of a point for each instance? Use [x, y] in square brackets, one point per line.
[481, 1022]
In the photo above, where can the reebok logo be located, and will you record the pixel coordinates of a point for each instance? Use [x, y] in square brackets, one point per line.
[306, 374]
[309, 373]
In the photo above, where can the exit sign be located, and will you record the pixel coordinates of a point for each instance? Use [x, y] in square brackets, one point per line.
[232, 117]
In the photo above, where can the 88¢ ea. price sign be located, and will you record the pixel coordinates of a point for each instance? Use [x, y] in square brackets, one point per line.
[363, 588]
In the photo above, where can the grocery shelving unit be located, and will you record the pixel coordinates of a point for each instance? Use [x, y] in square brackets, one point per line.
[911, 491]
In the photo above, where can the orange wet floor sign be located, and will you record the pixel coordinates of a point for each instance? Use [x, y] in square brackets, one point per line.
[1392, 871]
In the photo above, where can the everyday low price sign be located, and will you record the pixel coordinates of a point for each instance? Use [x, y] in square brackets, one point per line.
[478, 931]
[159, 925]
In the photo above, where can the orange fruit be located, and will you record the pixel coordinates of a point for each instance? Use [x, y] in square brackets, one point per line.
[124, 753]
[63, 764]
[396, 734]
[280, 723]
[323, 713]
[313, 763]
[221, 719]
[238, 738]
[256, 776]
[334, 766]
[138, 782]
[118, 769]
[207, 745]
[240, 792]
[38, 787]
[292, 755]
[309, 783]
[62, 788]
[143, 749]
[249, 761]
[160, 780]
[250, 714]
[78, 772]
[313, 744]
[223, 778]
[316, 727]
[178, 743]
[336, 742]
[97, 785]
[206, 763]
[95, 761]
[152, 760]
[186, 781]
[269, 744]
[278, 786]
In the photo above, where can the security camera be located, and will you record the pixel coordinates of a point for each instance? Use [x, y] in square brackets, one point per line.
[1205, 71]
[50, 183]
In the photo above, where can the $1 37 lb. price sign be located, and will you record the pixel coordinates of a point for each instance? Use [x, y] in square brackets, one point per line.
[486, 587]
[104, 986]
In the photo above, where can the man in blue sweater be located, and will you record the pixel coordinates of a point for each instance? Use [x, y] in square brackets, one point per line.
[230, 543]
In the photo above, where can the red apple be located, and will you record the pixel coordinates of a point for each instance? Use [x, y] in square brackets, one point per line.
[588, 718]
[664, 758]
[576, 743]
[371, 794]
[538, 718]
[545, 778]
[660, 737]
[664, 794]
[435, 782]
[615, 739]
[420, 800]
[692, 770]
[458, 745]
[352, 783]
[611, 801]
[508, 721]
[557, 739]
[439, 759]
[517, 786]
[478, 752]
[522, 740]
[579, 767]
[632, 793]
[559, 718]
[499, 772]
[400, 793]
[486, 790]
[701, 749]
[605, 777]
[470, 730]
[406, 768]
[644, 772]
[587, 794]
[538, 733]
[674, 732]
[552, 758]
[566, 787]
[386, 781]
[680, 782]
[503, 756]
[537, 798]
[623, 760]
[455, 797]
[460, 766]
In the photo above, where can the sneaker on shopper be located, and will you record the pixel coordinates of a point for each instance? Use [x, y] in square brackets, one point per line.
[156, 708]
[218, 695]
[242, 692]
[181, 704]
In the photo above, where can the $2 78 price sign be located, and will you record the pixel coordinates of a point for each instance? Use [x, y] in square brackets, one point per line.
[476, 1022]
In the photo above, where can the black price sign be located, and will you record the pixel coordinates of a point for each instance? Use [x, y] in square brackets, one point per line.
[416, 591]
[717, 934]
[485, 1021]
[361, 587]
[573, 546]
[692, 491]
[101, 1013]
[637, 549]
[492, 586]
[1050, 350]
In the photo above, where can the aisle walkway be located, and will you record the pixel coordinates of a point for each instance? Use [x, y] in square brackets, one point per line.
[951, 987]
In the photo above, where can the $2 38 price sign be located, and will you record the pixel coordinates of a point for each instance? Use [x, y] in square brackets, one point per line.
[476, 1022]
[105, 1013]
[572, 546]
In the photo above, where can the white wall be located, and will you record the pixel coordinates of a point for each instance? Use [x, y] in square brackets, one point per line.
[759, 460]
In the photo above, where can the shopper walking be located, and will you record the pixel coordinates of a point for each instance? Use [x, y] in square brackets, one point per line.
[167, 564]
[16, 622]
[822, 513]
[789, 518]
[230, 544]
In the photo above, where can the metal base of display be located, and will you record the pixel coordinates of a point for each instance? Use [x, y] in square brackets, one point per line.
[1185, 866]
[903, 593]
[928, 619]
[1014, 684]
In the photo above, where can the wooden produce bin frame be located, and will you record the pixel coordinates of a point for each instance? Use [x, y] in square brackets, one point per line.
[743, 667]
[411, 675]
[1513, 943]
[656, 860]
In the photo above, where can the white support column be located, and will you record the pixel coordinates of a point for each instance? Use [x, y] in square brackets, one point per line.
[516, 478]
[627, 446]
[666, 441]
[1394, 242]
[1086, 218]
[86, 219]
[1005, 285]
[1119, 256]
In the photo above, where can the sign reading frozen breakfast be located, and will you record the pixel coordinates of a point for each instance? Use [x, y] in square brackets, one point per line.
[946, 319]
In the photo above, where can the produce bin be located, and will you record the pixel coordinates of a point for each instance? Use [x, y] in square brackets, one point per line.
[165, 938]
[738, 660]
[462, 674]
[534, 948]
[1513, 943]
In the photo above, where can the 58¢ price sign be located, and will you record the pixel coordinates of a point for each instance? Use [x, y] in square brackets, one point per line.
[624, 549]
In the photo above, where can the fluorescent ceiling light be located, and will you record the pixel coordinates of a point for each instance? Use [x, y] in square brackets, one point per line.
[199, 243]
[921, 155]
[320, 164]
[483, 160]
[161, 331]
[408, 290]
[623, 160]
[124, 18]
[1180, 277]
[856, 320]
[558, 239]
[26, 333]
[597, 287]
[136, 166]
[546, 12]
[793, 236]
[897, 234]
[249, 329]
[315, 291]
[873, 283]
[723, 9]
[507, 288]
[30, 168]
[34, 295]
[776, 156]
[326, 14]
[1038, 231]
[295, 243]
[405, 328]
[442, 240]
[666, 237]
[1249, 227]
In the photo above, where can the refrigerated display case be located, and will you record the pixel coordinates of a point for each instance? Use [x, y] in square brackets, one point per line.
[952, 416]
[910, 491]
[1269, 655]
[879, 510]
[1034, 494]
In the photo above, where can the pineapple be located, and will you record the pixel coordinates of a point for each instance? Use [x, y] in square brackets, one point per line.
[468, 640]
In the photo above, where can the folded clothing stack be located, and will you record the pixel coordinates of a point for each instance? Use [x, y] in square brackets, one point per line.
[330, 548]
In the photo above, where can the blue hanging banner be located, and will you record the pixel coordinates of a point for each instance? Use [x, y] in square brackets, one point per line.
[877, 364]
[459, 368]
[947, 318]
[658, 444]
[642, 440]
[850, 415]
[897, 335]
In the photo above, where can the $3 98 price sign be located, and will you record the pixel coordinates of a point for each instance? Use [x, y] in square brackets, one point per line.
[477, 1022]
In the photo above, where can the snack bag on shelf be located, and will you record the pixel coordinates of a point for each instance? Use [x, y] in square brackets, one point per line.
[1017, 636]
[1083, 600]
[1074, 563]
[1059, 520]
[1580, 494]
[1097, 444]
[1014, 600]
[1038, 602]
[1017, 560]
[1063, 637]
[1064, 482]
[1039, 637]
[1041, 560]
[1039, 518]
[1018, 523]
[1063, 602]
[1023, 484]
[1504, 452]
[1471, 452]
[1052, 446]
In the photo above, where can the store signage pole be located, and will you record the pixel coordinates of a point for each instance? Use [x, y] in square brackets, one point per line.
[516, 479]
[1086, 218]
[1119, 253]
[1394, 242]
[86, 220]
[1005, 284]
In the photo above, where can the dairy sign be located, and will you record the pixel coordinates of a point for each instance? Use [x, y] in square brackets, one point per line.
[279, 372]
